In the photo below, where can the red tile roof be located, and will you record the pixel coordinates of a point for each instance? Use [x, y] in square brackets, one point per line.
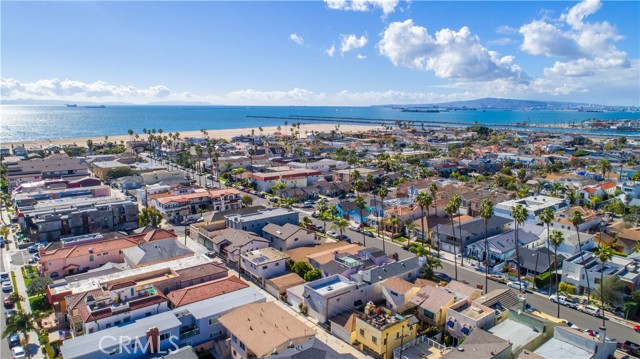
[607, 185]
[205, 290]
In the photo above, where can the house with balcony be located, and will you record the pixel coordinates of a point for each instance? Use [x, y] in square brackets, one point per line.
[48, 220]
[349, 211]
[465, 316]
[113, 305]
[380, 331]
[535, 205]
[328, 296]
[397, 292]
[472, 230]
[255, 222]
[57, 166]
[73, 259]
[261, 330]
[571, 245]
[575, 271]
[264, 263]
[289, 236]
[431, 305]
[203, 291]
[572, 343]
[229, 243]
[502, 246]
[590, 217]
[183, 205]
[196, 324]
[295, 178]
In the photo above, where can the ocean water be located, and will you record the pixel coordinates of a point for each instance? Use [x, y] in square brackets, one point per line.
[27, 123]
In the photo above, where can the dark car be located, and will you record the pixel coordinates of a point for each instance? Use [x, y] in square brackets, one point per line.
[8, 304]
[631, 348]
[442, 276]
[14, 340]
[344, 237]
[368, 233]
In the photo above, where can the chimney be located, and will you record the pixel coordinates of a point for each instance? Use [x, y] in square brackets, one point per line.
[153, 338]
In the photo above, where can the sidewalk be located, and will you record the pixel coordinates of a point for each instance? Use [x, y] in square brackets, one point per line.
[34, 344]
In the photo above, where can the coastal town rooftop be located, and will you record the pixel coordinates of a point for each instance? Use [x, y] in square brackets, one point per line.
[94, 283]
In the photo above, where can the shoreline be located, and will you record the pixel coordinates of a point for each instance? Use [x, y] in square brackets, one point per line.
[217, 133]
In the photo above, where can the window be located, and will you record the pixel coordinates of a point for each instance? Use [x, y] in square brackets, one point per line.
[164, 336]
[361, 331]
[126, 319]
[108, 325]
[394, 293]
[147, 314]
[212, 321]
[277, 264]
[234, 338]
[265, 267]
[374, 340]
[384, 342]
[242, 346]
[91, 258]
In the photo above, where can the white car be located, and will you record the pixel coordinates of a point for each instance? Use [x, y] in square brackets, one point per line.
[518, 285]
[558, 298]
[332, 234]
[18, 353]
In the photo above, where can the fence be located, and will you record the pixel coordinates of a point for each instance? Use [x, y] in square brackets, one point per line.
[417, 341]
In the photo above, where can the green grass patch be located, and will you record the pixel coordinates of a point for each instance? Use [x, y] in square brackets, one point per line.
[29, 273]
[39, 304]
[367, 228]
[400, 239]
[15, 288]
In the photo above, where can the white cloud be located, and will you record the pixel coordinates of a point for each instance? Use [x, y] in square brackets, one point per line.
[297, 39]
[451, 54]
[387, 6]
[506, 30]
[351, 42]
[361, 57]
[331, 51]
[80, 91]
[586, 46]
[503, 41]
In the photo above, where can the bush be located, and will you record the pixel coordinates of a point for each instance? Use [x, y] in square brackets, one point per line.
[542, 280]
[39, 304]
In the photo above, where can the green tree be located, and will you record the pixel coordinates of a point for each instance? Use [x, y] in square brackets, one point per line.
[119, 172]
[486, 212]
[613, 294]
[547, 216]
[604, 166]
[451, 211]
[519, 214]
[247, 200]
[566, 288]
[15, 297]
[312, 275]
[149, 216]
[23, 323]
[301, 268]
[38, 286]
[576, 219]
[278, 188]
[424, 201]
[361, 205]
[340, 224]
[383, 193]
[433, 189]
[456, 202]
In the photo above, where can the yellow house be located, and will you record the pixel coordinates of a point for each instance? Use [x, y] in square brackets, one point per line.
[431, 305]
[381, 331]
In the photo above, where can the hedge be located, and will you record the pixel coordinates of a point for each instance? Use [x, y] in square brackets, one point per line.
[542, 280]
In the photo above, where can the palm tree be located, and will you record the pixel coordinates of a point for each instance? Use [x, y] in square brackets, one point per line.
[556, 186]
[557, 238]
[456, 201]
[278, 187]
[604, 166]
[23, 323]
[130, 131]
[340, 224]
[424, 200]
[486, 212]
[576, 219]
[433, 188]
[382, 193]
[451, 211]
[361, 204]
[604, 254]
[519, 214]
[199, 152]
[547, 216]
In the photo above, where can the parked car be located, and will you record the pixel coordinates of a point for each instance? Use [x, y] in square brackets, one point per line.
[343, 237]
[318, 228]
[354, 228]
[368, 233]
[571, 325]
[33, 248]
[589, 309]
[557, 298]
[14, 340]
[497, 278]
[7, 287]
[314, 214]
[631, 348]
[572, 302]
[637, 328]
[333, 234]
[518, 285]
[18, 353]
[591, 332]
[4, 277]
[7, 303]
[442, 276]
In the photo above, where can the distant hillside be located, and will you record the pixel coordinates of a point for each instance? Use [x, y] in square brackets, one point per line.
[504, 103]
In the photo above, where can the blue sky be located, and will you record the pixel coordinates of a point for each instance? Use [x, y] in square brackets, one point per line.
[334, 52]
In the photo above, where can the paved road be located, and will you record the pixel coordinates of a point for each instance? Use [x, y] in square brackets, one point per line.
[4, 345]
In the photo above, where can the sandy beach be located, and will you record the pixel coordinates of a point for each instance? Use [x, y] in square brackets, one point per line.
[226, 134]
